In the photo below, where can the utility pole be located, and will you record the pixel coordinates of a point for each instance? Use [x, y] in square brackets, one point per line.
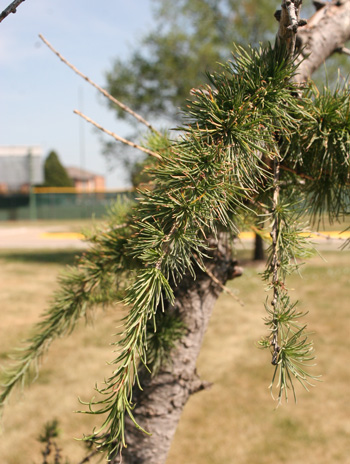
[32, 198]
[81, 131]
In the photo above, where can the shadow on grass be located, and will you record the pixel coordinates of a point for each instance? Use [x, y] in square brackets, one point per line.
[42, 256]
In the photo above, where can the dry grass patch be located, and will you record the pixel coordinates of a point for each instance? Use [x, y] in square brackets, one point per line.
[236, 421]
[233, 423]
[70, 370]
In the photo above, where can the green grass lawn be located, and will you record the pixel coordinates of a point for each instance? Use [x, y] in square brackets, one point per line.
[236, 421]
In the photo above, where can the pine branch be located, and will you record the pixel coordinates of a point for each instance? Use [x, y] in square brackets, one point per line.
[288, 341]
[201, 185]
[321, 149]
[197, 187]
[72, 303]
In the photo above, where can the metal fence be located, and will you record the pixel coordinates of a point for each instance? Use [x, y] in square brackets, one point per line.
[59, 204]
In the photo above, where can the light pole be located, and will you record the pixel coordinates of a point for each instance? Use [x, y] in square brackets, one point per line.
[32, 198]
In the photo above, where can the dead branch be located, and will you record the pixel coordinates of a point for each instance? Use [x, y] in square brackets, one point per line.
[100, 89]
[327, 236]
[289, 22]
[12, 8]
[343, 50]
[117, 137]
[326, 33]
[223, 287]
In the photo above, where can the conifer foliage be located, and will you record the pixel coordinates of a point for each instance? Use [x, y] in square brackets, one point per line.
[253, 144]
[55, 173]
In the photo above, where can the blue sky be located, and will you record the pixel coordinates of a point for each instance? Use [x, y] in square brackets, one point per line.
[38, 93]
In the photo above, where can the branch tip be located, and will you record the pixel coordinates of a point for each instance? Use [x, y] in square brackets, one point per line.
[277, 15]
[118, 137]
[343, 50]
[319, 4]
[12, 8]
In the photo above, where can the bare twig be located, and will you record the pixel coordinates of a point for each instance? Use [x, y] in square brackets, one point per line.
[88, 457]
[299, 174]
[100, 89]
[117, 137]
[275, 261]
[328, 236]
[343, 50]
[12, 8]
[289, 21]
[305, 176]
[223, 287]
[166, 245]
[318, 4]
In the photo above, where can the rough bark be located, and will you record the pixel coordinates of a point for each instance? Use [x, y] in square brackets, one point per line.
[160, 403]
[12, 8]
[259, 254]
[325, 33]
[289, 22]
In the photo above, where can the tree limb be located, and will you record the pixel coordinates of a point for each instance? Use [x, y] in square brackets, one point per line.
[325, 33]
[289, 22]
[344, 50]
[275, 258]
[239, 272]
[12, 8]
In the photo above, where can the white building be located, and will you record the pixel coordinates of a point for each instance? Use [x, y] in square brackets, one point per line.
[20, 166]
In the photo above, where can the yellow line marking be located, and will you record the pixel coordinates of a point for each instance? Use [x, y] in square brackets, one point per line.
[321, 235]
[246, 236]
[326, 235]
[62, 235]
[241, 236]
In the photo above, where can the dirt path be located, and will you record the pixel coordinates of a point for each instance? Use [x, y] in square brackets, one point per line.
[60, 236]
[32, 237]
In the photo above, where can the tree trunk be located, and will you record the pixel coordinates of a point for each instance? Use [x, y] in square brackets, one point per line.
[161, 401]
[259, 254]
[159, 405]
[326, 33]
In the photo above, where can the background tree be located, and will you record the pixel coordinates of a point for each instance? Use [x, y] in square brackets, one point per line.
[190, 38]
[255, 142]
[55, 173]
